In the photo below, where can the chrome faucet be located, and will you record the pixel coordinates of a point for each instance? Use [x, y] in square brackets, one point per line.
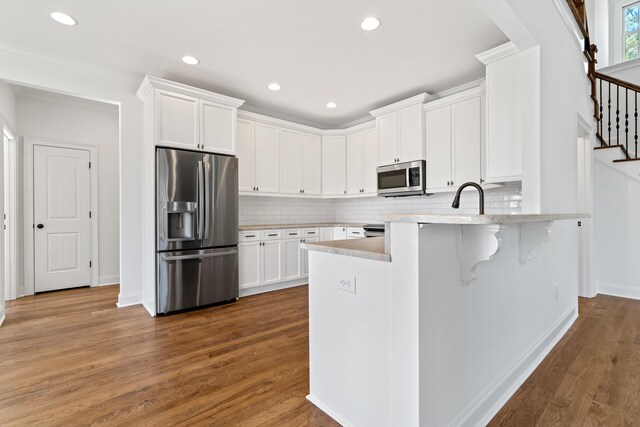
[456, 200]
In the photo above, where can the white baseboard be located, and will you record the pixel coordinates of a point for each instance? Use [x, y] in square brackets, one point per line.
[149, 309]
[623, 291]
[328, 411]
[127, 300]
[109, 280]
[2, 318]
[274, 287]
[487, 405]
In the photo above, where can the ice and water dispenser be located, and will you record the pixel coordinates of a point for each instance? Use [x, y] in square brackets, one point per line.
[181, 220]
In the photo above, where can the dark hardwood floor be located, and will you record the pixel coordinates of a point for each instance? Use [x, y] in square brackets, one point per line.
[72, 358]
[591, 378]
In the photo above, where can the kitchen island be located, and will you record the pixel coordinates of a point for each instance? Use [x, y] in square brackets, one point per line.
[444, 327]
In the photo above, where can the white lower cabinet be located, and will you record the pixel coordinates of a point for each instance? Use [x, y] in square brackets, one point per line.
[250, 261]
[326, 234]
[292, 260]
[355, 233]
[272, 262]
[339, 233]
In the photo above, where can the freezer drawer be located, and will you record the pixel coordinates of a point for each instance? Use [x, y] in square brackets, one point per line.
[188, 279]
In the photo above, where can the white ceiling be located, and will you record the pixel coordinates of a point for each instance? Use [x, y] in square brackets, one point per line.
[314, 49]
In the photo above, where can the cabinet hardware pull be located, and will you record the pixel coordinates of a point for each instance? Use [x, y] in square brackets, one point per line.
[272, 235]
[481, 180]
[250, 235]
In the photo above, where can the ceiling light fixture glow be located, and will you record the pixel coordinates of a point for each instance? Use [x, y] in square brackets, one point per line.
[191, 60]
[331, 105]
[370, 23]
[274, 86]
[63, 18]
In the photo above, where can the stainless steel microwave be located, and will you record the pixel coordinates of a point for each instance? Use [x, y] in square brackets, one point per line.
[402, 179]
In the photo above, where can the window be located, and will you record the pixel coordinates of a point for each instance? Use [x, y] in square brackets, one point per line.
[631, 28]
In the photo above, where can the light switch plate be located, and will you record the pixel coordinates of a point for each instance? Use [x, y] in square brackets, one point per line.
[347, 284]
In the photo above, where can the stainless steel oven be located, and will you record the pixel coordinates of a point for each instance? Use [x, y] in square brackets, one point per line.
[402, 179]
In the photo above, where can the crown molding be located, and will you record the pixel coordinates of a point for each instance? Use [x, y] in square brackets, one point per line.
[462, 88]
[475, 91]
[263, 112]
[151, 82]
[417, 99]
[497, 53]
[274, 121]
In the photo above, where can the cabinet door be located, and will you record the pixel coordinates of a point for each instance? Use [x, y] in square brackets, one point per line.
[339, 233]
[411, 144]
[466, 137]
[334, 168]
[217, 130]
[387, 138]
[290, 166]
[354, 165]
[370, 161]
[249, 260]
[292, 264]
[311, 164]
[271, 261]
[304, 257]
[246, 160]
[176, 120]
[438, 131]
[267, 158]
[326, 234]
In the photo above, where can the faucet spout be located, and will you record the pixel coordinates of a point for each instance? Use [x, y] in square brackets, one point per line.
[456, 199]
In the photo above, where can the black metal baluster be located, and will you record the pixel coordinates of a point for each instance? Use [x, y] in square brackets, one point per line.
[618, 115]
[601, 115]
[626, 119]
[609, 107]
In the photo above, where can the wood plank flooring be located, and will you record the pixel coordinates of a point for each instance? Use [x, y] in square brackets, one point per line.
[591, 378]
[72, 358]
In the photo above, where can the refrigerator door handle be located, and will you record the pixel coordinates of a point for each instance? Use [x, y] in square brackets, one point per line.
[207, 197]
[201, 207]
[198, 256]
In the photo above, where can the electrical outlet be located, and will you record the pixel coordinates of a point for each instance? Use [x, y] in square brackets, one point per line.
[347, 284]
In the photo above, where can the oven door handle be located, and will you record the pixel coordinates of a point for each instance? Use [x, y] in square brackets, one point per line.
[198, 256]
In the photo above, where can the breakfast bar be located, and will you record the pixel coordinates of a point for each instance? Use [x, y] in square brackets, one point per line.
[443, 321]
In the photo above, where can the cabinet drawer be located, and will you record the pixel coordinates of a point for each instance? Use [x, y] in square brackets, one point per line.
[248, 236]
[311, 232]
[271, 234]
[355, 232]
[291, 234]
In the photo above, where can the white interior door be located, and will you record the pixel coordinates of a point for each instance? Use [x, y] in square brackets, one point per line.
[62, 204]
[4, 209]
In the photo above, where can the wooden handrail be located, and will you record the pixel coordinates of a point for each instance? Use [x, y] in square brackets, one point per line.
[618, 82]
[579, 17]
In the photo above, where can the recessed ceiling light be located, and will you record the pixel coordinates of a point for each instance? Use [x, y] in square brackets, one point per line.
[370, 23]
[331, 105]
[191, 60]
[63, 18]
[274, 86]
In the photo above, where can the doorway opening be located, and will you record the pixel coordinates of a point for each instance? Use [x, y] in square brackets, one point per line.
[9, 212]
[585, 205]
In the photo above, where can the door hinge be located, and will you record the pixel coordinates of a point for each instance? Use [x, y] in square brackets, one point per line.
[89, 264]
[89, 165]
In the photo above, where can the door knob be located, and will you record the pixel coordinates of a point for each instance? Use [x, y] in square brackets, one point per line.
[40, 226]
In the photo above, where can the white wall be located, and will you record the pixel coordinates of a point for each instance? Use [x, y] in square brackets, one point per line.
[256, 210]
[64, 118]
[8, 113]
[8, 104]
[87, 81]
[616, 232]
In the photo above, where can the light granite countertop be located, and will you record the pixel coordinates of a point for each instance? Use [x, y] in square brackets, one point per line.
[290, 226]
[430, 218]
[371, 248]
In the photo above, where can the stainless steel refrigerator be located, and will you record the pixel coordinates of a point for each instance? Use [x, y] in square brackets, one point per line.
[196, 229]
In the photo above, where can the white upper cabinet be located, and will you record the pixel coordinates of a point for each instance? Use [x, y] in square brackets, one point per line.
[362, 161]
[186, 117]
[512, 110]
[290, 167]
[466, 140]
[401, 131]
[267, 158]
[438, 142]
[355, 166]
[454, 133]
[176, 120]
[245, 138]
[216, 134]
[311, 165]
[334, 166]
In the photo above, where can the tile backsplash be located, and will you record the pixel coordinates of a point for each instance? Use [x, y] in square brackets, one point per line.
[282, 210]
